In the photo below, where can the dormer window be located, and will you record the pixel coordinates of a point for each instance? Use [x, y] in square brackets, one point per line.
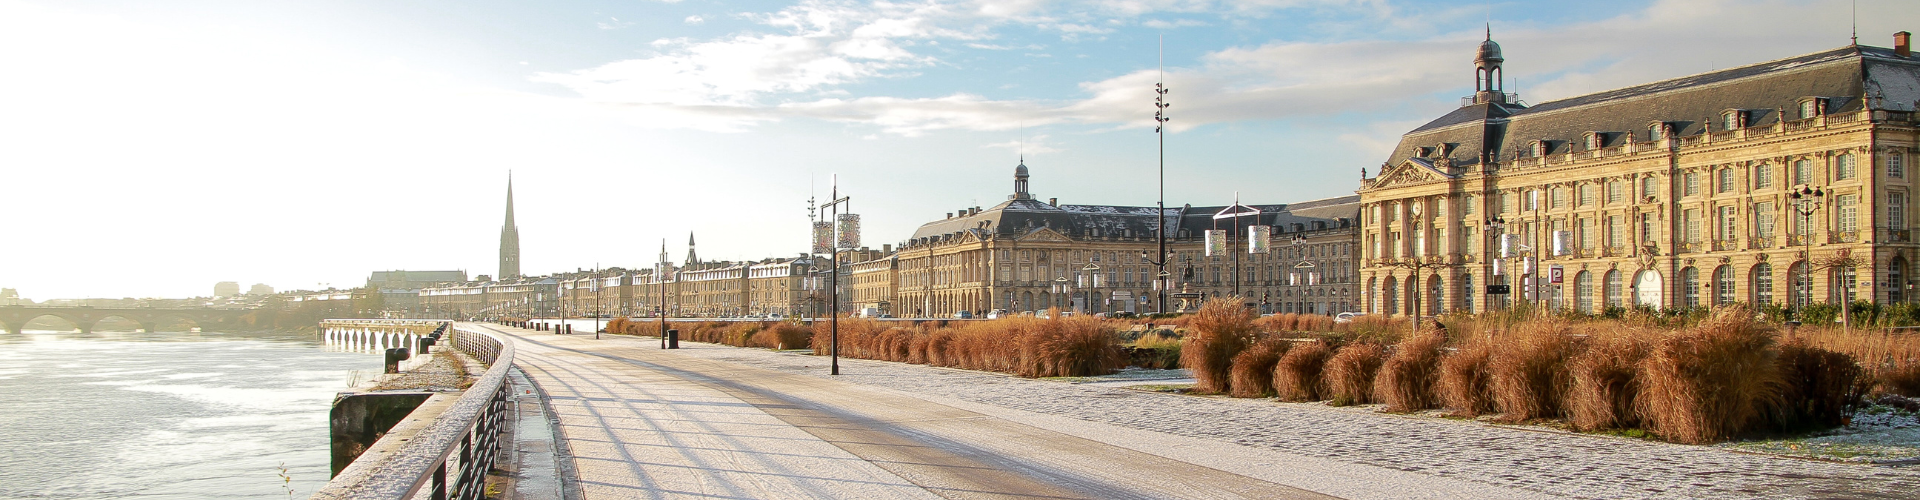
[1422, 152]
[1595, 140]
[1812, 106]
[1733, 119]
[1539, 148]
[1657, 131]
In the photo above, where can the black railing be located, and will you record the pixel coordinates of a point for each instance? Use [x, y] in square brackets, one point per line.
[464, 439]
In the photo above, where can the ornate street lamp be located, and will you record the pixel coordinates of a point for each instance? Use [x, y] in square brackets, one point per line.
[1806, 200]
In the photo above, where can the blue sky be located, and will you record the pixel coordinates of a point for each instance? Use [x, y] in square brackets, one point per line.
[154, 148]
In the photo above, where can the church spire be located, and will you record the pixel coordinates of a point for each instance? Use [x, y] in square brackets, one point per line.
[692, 258]
[509, 239]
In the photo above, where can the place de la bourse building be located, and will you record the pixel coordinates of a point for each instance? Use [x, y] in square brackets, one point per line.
[1671, 194]
[1030, 255]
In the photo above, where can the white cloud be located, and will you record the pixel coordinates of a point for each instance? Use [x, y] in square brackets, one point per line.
[1177, 23]
[612, 23]
[695, 20]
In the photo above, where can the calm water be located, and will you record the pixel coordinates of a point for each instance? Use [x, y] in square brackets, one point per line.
[167, 415]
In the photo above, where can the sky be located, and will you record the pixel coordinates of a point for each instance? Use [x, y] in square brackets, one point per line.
[151, 149]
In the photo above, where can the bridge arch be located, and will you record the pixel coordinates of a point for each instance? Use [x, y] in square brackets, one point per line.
[19, 324]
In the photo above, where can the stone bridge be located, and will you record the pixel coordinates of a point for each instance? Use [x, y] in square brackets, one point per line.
[15, 318]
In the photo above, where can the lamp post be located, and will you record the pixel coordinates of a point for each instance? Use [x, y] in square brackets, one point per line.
[1496, 227]
[1060, 287]
[1160, 119]
[833, 273]
[1806, 200]
[1092, 276]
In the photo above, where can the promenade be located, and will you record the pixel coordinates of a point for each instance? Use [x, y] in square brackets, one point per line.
[712, 421]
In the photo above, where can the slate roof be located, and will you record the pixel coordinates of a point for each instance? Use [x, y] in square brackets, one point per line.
[1018, 217]
[1691, 105]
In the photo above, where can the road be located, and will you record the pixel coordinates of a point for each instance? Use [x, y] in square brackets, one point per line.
[712, 421]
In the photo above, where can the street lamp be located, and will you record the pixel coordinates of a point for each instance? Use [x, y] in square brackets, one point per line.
[1091, 275]
[833, 274]
[1160, 119]
[1806, 200]
[1060, 287]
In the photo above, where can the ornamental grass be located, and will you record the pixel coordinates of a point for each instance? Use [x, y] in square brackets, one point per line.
[1252, 369]
[1408, 379]
[1350, 373]
[1298, 375]
[1217, 333]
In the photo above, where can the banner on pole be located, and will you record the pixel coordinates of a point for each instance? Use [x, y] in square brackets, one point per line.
[849, 231]
[1257, 237]
[1216, 242]
[823, 237]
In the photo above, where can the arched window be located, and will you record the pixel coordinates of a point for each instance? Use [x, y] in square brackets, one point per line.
[1373, 287]
[1690, 285]
[1615, 289]
[1435, 293]
[1897, 280]
[1800, 293]
[1388, 293]
[1762, 284]
[1723, 285]
[1656, 131]
[1583, 292]
[1842, 287]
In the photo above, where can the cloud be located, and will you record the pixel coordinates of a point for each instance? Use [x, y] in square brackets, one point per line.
[695, 20]
[612, 23]
[1034, 144]
[1177, 23]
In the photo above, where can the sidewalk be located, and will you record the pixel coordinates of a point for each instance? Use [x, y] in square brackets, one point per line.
[643, 422]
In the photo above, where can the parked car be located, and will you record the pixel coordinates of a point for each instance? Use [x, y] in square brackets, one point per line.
[963, 315]
[776, 316]
[997, 314]
[1347, 317]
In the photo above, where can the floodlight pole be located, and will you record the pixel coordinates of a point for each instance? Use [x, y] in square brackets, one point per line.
[833, 276]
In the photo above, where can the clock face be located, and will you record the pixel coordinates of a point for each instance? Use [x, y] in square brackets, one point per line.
[1416, 209]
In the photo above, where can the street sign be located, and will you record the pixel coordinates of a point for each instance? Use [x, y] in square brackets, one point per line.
[1499, 289]
[1556, 274]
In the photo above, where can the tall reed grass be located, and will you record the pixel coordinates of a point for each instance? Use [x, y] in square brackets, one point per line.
[1407, 379]
[1350, 373]
[1221, 329]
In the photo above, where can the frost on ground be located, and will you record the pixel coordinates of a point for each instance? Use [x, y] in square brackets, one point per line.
[1880, 433]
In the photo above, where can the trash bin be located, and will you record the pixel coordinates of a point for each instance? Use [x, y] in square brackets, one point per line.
[673, 339]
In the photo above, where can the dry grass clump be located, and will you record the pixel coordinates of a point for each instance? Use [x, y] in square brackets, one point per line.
[1025, 346]
[1350, 373]
[1155, 350]
[1221, 329]
[1526, 369]
[1465, 386]
[1604, 386]
[781, 335]
[1407, 379]
[1064, 347]
[1818, 385]
[1888, 358]
[1712, 381]
[1252, 371]
[1294, 322]
[1297, 377]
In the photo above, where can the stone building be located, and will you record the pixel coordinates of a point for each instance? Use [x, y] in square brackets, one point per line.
[1028, 255]
[872, 283]
[1735, 185]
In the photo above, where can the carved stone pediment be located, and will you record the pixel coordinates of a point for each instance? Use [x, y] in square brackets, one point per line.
[1045, 234]
[1410, 172]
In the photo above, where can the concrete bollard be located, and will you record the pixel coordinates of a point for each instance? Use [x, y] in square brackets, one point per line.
[426, 344]
[569, 329]
[673, 339]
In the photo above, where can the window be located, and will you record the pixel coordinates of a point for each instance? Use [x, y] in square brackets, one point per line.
[1616, 192]
[1846, 209]
[1809, 108]
[1648, 187]
[1586, 194]
[1690, 224]
[1726, 181]
[1896, 210]
[1690, 284]
[1615, 290]
[1593, 140]
[1843, 167]
[1657, 131]
[1763, 219]
[1466, 291]
[1648, 230]
[1466, 205]
[1723, 286]
[1763, 176]
[1896, 165]
[1843, 278]
[1583, 292]
[1762, 284]
[1505, 202]
[1802, 171]
[1616, 233]
[1690, 184]
[1730, 120]
[1557, 197]
[1729, 224]
[1539, 148]
[1533, 199]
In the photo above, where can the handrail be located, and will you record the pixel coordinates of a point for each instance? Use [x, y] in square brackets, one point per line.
[465, 437]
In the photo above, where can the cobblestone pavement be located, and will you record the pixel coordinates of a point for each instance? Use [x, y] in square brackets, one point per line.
[1538, 460]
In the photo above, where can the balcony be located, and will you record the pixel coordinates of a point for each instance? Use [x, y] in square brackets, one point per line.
[1727, 245]
[1760, 243]
[1691, 247]
[1896, 235]
[1613, 251]
[1799, 239]
[1843, 237]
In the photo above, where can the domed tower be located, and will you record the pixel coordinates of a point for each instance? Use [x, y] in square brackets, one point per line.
[1487, 74]
[1020, 182]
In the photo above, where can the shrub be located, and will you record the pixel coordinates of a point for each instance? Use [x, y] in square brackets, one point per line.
[1603, 381]
[1819, 384]
[1351, 371]
[1526, 369]
[1155, 350]
[1406, 380]
[783, 335]
[1076, 346]
[1297, 377]
[1464, 385]
[1710, 382]
[1221, 329]
[1252, 371]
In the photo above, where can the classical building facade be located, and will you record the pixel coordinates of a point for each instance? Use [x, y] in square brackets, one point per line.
[1781, 182]
[1028, 255]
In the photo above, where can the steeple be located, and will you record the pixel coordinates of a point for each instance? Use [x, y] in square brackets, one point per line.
[1488, 78]
[1020, 181]
[509, 239]
[692, 258]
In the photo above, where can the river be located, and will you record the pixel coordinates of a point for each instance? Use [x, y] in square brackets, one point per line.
[168, 415]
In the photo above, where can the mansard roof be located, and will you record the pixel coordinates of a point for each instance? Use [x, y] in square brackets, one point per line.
[1845, 77]
[1021, 217]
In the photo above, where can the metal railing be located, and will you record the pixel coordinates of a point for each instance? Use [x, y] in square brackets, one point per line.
[464, 439]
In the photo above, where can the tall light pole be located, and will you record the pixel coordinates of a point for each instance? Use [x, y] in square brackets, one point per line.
[1806, 200]
[1092, 274]
[833, 276]
[1160, 119]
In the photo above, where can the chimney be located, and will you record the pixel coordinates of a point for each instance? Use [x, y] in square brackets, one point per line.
[1053, 201]
[949, 215]
[887, 249]
[1903, 44]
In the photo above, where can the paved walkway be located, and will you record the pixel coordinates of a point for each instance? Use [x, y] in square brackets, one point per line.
[720, 422]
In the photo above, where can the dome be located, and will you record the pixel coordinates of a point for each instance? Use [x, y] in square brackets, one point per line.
[1489, 52]
[1020, 171]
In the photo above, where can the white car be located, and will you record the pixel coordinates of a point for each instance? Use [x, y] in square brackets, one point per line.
[1347, 317]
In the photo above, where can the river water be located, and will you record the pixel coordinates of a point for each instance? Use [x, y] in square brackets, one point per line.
[168, 415]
